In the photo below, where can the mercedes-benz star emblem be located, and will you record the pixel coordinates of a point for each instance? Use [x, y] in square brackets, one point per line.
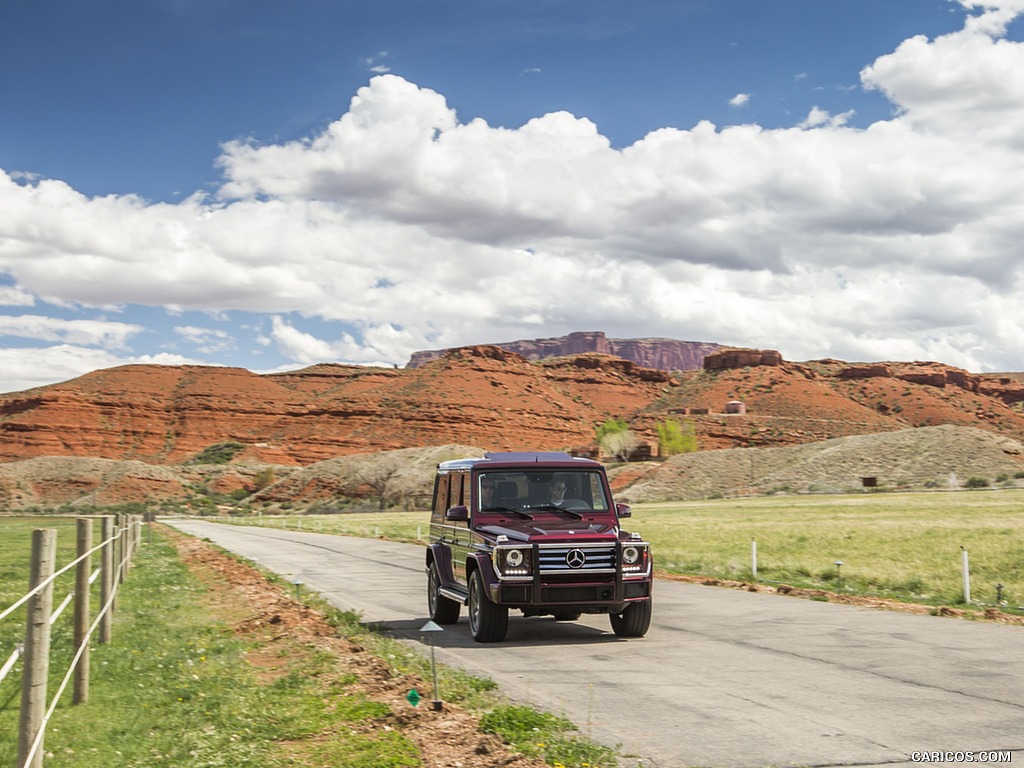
[575, 558]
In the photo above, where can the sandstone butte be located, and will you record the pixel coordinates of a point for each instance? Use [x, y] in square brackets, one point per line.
[664, 354]
[492, 397]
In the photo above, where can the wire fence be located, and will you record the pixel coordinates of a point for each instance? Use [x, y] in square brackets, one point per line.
[120, 536]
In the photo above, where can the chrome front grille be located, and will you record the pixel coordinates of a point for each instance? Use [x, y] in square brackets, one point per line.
[576, 558]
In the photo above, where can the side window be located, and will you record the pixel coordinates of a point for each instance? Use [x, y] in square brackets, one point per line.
[598, 500]
[455, 494]
[441, 495]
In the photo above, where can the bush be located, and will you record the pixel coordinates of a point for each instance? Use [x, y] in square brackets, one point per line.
[674, 438]
[611, 427]
[976, 482]
[220, 453]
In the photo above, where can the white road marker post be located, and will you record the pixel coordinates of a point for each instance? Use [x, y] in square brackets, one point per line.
[429, 629]
[966, 565]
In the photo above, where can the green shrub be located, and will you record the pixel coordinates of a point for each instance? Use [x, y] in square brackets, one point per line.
[675, 438]
[220, 453]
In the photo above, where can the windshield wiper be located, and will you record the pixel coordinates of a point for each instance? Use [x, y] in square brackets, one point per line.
[554, 508]
[524, 515]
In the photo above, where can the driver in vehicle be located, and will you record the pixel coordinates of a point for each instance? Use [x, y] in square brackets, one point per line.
[486, 493]
[557, 492]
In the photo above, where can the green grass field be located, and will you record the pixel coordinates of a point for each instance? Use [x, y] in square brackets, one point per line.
[16, 550]
[898, 545]
[906, 546]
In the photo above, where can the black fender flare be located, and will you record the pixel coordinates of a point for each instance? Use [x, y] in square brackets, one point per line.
[481, 561]
[442, 557]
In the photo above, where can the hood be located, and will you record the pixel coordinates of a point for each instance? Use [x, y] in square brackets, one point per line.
[553, 530]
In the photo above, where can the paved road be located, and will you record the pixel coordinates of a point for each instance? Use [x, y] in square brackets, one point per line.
[724, 678]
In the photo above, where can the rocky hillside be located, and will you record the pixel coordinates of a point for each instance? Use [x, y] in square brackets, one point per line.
[777, 403]
[147, 432]
[664, 354]
[85, 482]
[475, 395]
[943, 457]
[487, 396]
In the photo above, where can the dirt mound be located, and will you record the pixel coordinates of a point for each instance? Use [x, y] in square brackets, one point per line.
[405, 476]
[70, 480]
[943, 456]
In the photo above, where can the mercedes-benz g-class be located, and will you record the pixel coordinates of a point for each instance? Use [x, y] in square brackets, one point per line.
[537, 532]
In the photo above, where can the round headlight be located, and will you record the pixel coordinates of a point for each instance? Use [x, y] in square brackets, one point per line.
[630, 555]
[514, 557]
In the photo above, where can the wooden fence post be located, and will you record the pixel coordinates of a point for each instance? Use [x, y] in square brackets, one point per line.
[122, 549]
[106, 577]
[129, 542]
[37, 647]
[82, 572]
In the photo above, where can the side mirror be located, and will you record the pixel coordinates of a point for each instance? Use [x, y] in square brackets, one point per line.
[459, 514]
[623, 510]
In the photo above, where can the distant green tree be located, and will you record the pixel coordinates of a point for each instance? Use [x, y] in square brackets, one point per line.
[610, 427]
[221, 453]
[675, 438]
[617, 439]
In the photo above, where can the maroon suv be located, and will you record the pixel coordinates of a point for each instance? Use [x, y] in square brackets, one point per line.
[537, 532]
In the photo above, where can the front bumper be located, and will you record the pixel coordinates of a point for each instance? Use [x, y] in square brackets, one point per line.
[599, 596]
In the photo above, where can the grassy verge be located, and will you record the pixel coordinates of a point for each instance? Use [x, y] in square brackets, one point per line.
[173, 687]
[901, 546]
[213, 664]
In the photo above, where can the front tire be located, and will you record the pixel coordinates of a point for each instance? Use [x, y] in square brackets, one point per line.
[488, 622]
[442, 610]
[634, 621]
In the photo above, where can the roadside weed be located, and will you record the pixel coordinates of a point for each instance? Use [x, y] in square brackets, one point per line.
[539, 734]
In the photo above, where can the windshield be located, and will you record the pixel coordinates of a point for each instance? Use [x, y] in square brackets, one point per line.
[524, 490]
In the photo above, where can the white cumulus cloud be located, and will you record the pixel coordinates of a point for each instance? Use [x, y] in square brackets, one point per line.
[109, 335]
[418, 229]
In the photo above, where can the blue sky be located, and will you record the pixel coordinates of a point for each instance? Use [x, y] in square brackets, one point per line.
[271, 185]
